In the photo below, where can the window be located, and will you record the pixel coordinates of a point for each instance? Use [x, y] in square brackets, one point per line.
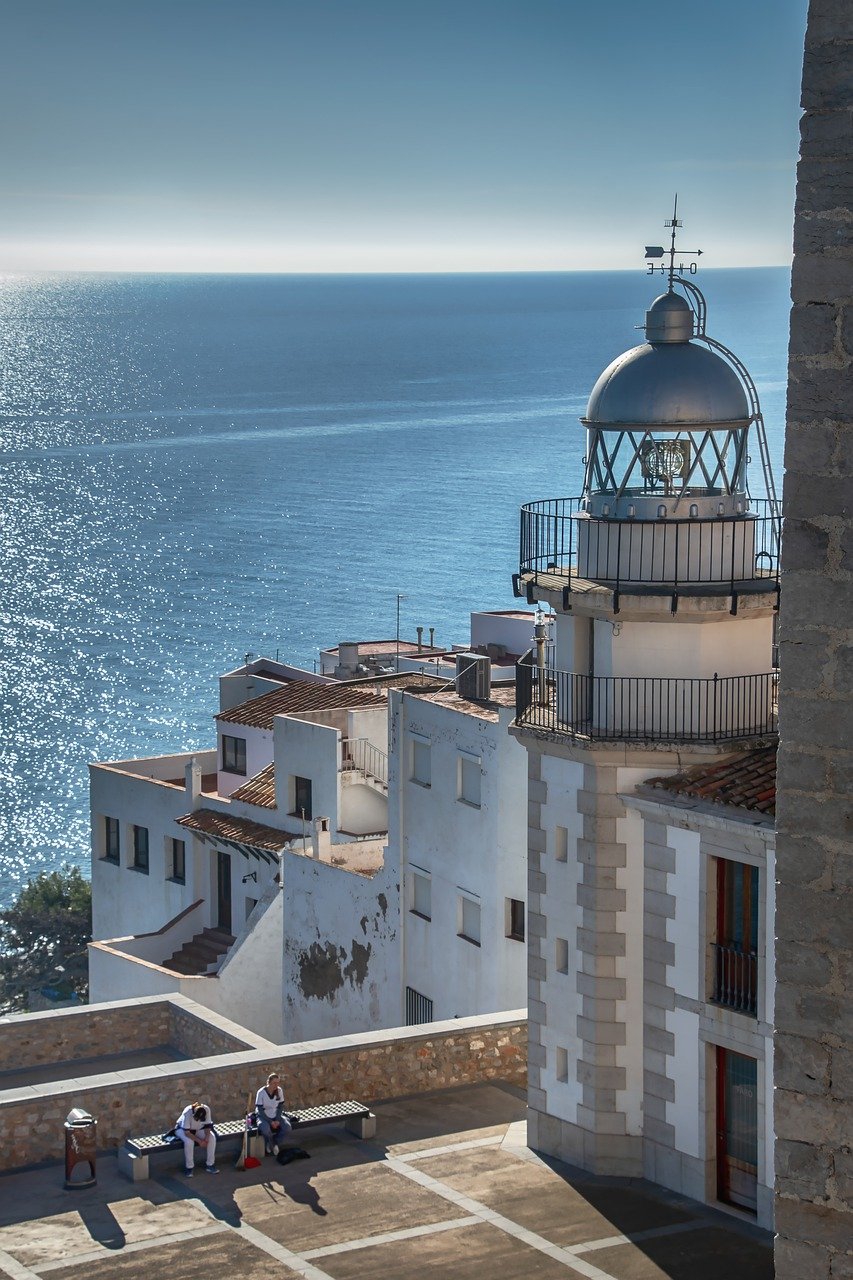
[515, 919]
[418, 1008]
[735, 983]
[561, 844]
[470, 773]
[179, 861]
[422, 894]
[233, 755]
[562, 956]
[562, 1065]
[112, 840]
[302, 798]
[421, 762]
[469, 919]
[140, 849]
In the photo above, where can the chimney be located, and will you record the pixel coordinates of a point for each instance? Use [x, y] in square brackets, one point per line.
[192, 776]
[321, 842]
[420, 632]
[432, 637]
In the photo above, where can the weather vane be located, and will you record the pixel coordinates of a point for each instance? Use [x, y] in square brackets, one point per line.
[654, 251]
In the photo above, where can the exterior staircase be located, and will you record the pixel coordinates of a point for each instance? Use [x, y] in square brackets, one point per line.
[201, 956]
[361, 761]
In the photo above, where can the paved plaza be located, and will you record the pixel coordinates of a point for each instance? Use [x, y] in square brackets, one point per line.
[446, 1189]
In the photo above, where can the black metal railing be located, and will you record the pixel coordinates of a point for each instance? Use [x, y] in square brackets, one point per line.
[735, 978]
[645, 708]
[675, 552]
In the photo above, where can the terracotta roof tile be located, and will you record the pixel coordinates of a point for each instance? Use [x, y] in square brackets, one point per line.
[223, 826]
[299, 695]
[747, 781]
[259, 790]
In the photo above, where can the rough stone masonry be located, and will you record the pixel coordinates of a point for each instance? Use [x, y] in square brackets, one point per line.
[814, 1013]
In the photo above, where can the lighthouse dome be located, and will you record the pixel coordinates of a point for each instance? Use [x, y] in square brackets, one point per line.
[668, 381]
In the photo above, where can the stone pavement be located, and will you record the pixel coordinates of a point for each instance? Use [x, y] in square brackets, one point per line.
[447, 1188]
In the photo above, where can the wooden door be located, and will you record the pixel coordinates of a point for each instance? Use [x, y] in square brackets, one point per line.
[223, 890]
[737, 1129]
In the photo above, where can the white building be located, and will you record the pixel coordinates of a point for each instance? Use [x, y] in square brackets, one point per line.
[458, 831]
[663, 579]
[267, 854]
[263, 857]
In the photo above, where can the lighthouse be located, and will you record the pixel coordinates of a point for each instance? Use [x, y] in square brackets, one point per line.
[658, 589]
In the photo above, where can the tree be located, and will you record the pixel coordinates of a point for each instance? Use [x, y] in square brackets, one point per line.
[43, 938]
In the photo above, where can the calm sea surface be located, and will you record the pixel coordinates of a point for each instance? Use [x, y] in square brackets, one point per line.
[194, 467]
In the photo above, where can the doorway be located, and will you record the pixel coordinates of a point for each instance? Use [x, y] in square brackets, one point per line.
[737, 1129]
[223, 890]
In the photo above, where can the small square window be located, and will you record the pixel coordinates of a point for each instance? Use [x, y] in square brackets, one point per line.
[562, 956]
[140, 849]
[421, 762]
[302, 798]
[561, 844]
[233, 755]
[562, 1065]
[112, 840]
[422, 894]
[515, 919]
[179, 861]
[470, 776]
[469, 919]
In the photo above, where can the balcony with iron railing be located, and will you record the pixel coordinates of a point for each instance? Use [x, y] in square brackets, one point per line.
[645, 708]
[562, 543]
[735, 979]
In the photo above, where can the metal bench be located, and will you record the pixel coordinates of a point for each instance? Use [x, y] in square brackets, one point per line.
[358, 1119]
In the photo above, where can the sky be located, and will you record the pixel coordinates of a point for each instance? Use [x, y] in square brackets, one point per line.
[394, 135]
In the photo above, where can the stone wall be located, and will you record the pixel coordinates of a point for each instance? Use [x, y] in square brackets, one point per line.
[200, 1033]
[814, 1014]
[66, 1035]
[378, 1065]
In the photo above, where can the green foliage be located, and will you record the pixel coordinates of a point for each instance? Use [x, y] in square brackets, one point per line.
[43, 938]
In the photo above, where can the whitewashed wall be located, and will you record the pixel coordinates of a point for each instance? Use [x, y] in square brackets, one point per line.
[341, 965]
[478, 851]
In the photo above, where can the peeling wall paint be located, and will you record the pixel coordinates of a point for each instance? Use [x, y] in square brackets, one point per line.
[341, 950]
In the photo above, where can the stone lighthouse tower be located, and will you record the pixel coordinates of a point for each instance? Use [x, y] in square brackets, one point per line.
[656, 655]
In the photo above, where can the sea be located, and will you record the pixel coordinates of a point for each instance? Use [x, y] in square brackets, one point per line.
[199, 467]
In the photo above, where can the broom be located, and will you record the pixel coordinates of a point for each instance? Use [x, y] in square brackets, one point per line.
[245, 1161]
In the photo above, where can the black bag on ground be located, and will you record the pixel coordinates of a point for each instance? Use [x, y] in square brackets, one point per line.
[287, 1154]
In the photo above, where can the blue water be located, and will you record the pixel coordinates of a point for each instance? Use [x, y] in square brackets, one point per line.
[194, 467]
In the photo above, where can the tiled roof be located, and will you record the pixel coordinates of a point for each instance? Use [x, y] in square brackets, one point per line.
[747, 781]
[209, 822]
[259, 790]
[299, 695]
[375, 648]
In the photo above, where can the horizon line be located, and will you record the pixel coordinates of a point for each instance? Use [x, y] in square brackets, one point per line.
[7, 273]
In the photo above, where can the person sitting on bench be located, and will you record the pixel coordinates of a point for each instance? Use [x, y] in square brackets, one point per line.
[273, 1124]
[195, 1129]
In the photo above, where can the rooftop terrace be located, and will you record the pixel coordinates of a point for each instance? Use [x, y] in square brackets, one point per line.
[447, 1188]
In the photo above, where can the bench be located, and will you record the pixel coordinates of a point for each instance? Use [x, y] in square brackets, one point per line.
[357, 1118]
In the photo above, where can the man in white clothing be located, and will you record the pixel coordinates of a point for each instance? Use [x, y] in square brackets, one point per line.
[195, 1129]
[269, 1108]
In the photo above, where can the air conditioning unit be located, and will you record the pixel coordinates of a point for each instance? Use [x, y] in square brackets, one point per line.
[473, 676]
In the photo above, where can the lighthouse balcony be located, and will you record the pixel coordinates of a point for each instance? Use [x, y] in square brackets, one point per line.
[645, 708]
[692, 545]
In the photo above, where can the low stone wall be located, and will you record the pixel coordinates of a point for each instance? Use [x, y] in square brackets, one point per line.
[199, 1033]
[86, 1031]
[372, 1067]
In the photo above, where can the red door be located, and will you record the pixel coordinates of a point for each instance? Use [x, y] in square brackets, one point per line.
[737, 1129]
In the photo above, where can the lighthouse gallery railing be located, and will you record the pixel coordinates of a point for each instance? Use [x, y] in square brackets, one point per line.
[674, 551]
[645, 708]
